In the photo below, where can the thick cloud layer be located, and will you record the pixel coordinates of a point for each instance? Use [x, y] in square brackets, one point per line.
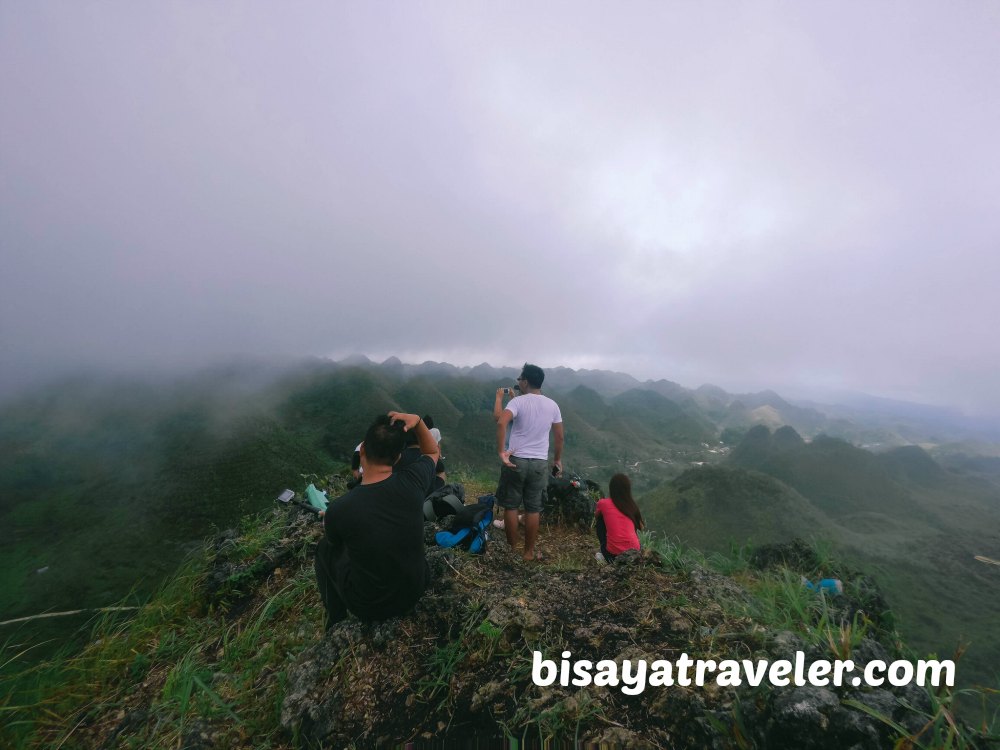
[754, 195]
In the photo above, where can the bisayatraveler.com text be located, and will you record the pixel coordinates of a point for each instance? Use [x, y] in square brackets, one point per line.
[634, 676]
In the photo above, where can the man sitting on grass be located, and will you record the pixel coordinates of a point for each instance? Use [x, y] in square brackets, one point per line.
[371, 558]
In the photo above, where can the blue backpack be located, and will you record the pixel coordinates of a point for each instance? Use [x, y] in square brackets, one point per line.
[469, 528]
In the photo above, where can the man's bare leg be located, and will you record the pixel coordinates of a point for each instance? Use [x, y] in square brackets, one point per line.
[510, 526]
[530, 534]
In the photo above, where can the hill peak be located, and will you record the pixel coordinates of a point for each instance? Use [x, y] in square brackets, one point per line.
[248, 639]
[913, 463]
[356, 360]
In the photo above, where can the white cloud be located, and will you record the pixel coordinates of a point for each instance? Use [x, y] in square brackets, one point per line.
[769, 193]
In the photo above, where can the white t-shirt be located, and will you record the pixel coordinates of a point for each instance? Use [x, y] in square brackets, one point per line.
[534, 415]
[436, 434]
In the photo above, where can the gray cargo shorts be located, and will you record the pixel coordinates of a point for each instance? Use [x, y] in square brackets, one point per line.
[525, 484]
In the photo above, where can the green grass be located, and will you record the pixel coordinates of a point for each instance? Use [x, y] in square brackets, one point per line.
[441, 668]
[59, 692]
[205, 666]
[780, 601]
[942, 728]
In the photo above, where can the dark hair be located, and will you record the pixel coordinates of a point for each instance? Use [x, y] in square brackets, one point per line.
[620, 489]
[533, 374]
[429, 421]
[384, 441]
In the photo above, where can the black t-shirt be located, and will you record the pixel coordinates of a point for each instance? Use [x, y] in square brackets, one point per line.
[377, 534]
[408, 456]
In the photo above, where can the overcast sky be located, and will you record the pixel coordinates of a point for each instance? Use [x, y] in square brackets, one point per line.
[801, 195]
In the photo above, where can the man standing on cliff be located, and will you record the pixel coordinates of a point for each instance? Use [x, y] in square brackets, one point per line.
[370, 560]
[524, 474]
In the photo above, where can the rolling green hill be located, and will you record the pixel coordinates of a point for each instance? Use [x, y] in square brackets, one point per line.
[709, 507]
[839, 478]
[653, 418]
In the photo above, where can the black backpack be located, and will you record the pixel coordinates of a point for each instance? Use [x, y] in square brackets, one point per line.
[568, 500]
[469, 529]
[444, 501]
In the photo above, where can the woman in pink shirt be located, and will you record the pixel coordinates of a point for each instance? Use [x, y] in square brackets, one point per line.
[618, 519]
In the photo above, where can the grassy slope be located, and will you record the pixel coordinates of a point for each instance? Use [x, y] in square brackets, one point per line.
[131, 519]
[711, 507]
[899, 515]
[185, 667]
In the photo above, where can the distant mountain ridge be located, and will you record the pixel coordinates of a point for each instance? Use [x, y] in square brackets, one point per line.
[888, 424]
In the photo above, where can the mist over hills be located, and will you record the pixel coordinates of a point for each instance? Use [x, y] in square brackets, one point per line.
[105, 483]
[857, 417]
